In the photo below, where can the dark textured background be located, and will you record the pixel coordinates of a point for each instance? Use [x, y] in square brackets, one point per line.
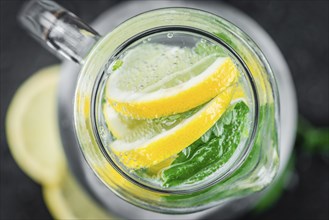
[300, 28]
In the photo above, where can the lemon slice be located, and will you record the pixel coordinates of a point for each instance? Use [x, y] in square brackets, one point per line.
[145, 152]
[68, 200]
[239, 93]
[143, 97]
[31, 128]
[114, 122]
[118, 124]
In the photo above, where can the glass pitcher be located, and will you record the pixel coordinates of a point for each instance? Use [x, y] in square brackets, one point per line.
[251, 168]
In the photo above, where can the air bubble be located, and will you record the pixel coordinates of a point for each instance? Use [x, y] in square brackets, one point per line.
[205, 137]
[170, 35]
[102, 131]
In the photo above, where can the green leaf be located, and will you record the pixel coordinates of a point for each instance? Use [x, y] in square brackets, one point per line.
[201, 159]
[312, 139]
[246, 168]
[206, 49]
[276, 189]
[117, 65]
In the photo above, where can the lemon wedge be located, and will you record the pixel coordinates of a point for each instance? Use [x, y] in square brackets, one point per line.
[140, 96]
[31, 128]
[145, 151]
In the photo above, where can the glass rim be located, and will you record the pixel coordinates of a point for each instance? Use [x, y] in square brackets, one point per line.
[250, 54]
[204, 184]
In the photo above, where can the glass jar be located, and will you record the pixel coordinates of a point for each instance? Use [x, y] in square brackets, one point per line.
[252, 171]
[253, 168]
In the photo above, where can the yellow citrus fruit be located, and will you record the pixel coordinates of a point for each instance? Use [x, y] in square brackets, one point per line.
[67, 200]
[31, 128]
[118, 124]
[239, 93]
[138, 95]
[145, 151]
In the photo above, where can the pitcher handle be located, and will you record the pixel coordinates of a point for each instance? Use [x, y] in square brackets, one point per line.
[59, 30]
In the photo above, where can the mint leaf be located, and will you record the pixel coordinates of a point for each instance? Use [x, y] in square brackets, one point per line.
[201, 159]
[117, 65]
[206, 49]
[312, 139]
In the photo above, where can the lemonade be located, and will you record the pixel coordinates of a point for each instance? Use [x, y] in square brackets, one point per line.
[176, 108]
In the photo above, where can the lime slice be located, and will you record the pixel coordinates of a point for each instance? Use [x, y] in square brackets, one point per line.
[31, 128]
[68, 200]
[147, 87]
[140, 150]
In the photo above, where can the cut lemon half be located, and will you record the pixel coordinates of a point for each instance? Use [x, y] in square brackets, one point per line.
[144, 152]
[31, 128]
[173, 93]
[68, 200]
